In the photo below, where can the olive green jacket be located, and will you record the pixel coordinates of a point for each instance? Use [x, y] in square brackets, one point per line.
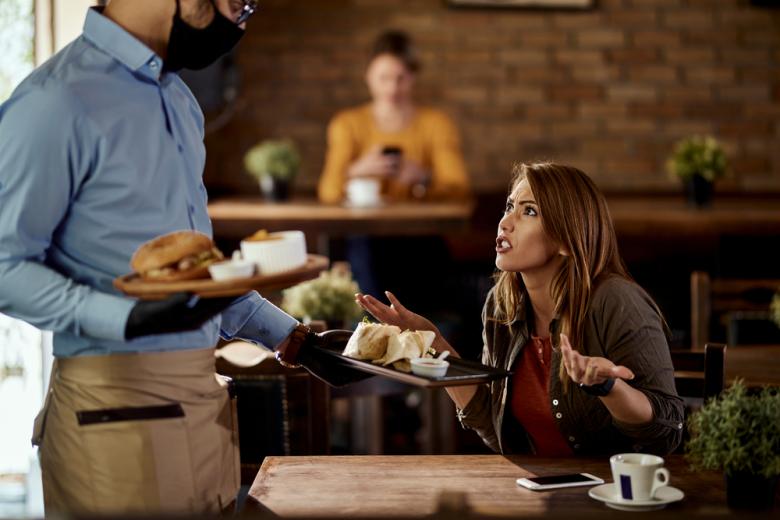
[623, 326]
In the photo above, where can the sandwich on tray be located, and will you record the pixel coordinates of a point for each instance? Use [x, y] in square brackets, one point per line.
[181, 255]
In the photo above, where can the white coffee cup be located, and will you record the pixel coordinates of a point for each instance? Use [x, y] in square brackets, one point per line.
[363, 191]
[638, 475]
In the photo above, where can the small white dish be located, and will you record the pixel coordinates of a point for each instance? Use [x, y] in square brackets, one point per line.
[231, 270]
[608, 494]
[430, 367]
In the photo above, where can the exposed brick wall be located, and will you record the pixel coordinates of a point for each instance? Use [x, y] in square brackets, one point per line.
[608, 90]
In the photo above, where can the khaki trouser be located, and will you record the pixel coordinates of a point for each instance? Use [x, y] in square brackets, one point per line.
[138, 433]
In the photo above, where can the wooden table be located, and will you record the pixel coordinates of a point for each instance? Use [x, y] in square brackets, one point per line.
[670, 216]
[239, 217]
[411, 486]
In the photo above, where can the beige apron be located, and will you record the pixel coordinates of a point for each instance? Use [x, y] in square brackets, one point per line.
[138, 433]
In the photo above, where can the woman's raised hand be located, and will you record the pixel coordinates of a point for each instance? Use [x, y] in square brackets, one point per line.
[588, 370]
[395, 313]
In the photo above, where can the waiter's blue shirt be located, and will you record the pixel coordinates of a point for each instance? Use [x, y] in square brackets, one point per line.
[100, 151]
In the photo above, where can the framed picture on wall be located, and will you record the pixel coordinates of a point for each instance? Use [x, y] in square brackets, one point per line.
[539, 4]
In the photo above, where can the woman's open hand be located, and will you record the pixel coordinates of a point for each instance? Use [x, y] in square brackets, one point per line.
[588, 370]
[395, 313]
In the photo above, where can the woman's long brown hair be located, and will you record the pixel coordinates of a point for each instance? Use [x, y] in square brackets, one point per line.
[574, 215]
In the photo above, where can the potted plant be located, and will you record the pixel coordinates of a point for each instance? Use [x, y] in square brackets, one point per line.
[330, 297]
[698, 161]
[739, 433]
[274, 163]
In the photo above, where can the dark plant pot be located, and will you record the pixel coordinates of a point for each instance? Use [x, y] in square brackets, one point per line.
[275, 189]
[748, 491]
[698, 191]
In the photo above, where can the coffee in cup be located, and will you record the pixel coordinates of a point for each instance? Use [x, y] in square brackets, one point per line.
[638, 475]
[364, 191]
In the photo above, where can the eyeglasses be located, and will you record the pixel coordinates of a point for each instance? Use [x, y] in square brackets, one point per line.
[249, 8]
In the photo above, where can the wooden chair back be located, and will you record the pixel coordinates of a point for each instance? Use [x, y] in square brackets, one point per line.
[729, 300]
[281, 411]
[700, 374]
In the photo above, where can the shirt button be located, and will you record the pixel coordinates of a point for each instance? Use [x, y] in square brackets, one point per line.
[153, 64]
[555, 402]
[571, 438]
[558, 415]
[679, 426]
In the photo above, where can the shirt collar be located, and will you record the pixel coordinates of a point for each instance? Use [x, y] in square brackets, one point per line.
[117, 42]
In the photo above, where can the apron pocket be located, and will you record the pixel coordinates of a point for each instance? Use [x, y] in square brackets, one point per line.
[139, 459]
[140, 413]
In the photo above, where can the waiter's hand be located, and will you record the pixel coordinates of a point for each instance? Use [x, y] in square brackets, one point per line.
[179, 312]
[324, 366]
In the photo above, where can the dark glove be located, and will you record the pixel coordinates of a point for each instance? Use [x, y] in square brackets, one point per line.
[179, 312]
[324, 366]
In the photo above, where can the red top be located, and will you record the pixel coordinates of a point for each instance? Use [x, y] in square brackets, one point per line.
[530, 400]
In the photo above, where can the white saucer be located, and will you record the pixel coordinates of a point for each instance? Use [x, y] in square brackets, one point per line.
[608, 494]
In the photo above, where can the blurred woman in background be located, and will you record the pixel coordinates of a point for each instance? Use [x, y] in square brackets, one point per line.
[413, 151]
[408, 152]
[592, 368]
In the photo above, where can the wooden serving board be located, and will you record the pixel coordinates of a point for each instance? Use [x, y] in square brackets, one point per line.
[133, 285]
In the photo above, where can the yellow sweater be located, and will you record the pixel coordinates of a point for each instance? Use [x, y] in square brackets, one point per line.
[431, 140]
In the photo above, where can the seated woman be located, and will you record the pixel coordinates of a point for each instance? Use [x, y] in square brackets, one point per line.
[592, 369]
[422, 156]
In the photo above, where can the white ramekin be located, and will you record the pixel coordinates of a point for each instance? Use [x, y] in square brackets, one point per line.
[277, 255]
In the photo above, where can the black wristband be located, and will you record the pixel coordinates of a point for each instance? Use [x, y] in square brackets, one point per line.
[600, 389]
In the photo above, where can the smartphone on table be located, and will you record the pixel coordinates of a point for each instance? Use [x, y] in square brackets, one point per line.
[559, 481]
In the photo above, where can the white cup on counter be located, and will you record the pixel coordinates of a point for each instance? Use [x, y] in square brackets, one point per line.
[364, 192]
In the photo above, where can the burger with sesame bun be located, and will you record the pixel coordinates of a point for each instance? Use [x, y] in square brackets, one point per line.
[181, 255]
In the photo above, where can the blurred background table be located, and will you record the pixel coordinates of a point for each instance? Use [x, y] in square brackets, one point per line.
[670, 216]
[237, 217]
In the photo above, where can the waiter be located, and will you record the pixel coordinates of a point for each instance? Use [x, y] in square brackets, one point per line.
[101, 149]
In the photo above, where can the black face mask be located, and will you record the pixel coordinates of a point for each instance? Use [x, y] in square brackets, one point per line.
[191, 48]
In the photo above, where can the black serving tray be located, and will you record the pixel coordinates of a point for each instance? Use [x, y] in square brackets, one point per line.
[460, 372]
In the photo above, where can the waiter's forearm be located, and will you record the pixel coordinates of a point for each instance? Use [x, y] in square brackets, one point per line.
[255, 319]
[45, 299]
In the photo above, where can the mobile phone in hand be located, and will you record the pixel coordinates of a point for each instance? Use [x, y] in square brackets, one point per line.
[559, 481]
[395, 153]
[392, 150]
